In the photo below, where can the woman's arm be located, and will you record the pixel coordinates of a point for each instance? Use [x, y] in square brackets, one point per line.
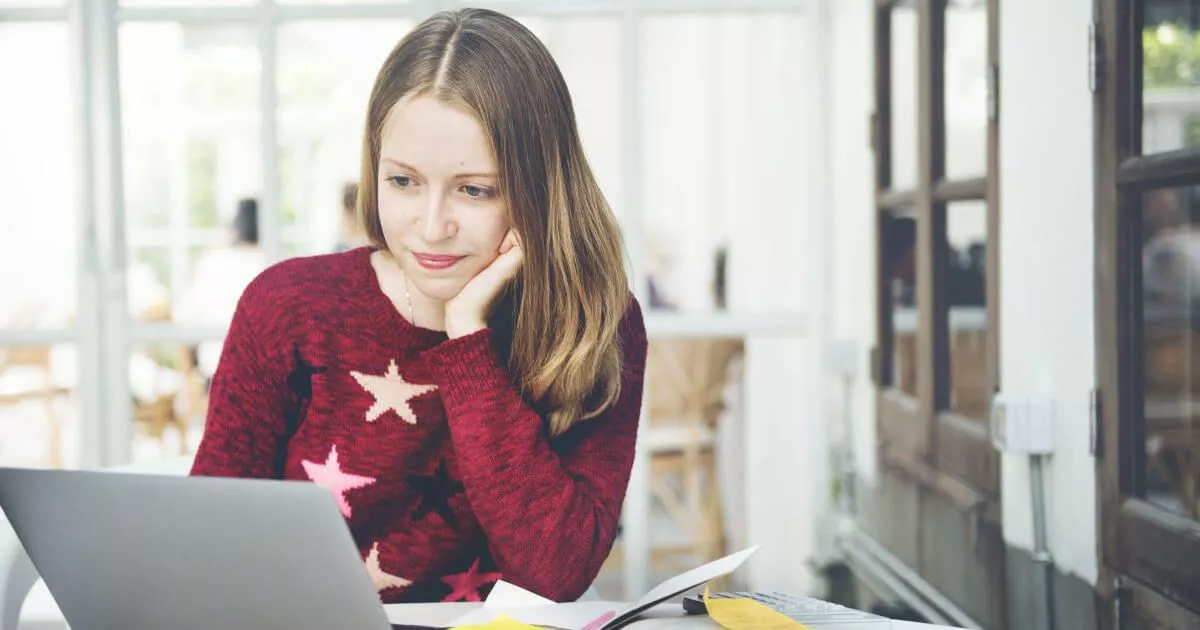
[250, 406]
[550, 519]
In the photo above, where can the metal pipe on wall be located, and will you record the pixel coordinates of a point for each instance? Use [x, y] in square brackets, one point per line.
[1041, 547]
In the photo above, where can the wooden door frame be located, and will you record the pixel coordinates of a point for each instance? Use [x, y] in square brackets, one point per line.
[1148, 555]
[948, 448]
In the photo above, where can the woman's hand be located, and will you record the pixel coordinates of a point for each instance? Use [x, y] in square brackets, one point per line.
[468, 311]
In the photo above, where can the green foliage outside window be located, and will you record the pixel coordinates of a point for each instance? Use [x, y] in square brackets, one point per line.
[1171, 56]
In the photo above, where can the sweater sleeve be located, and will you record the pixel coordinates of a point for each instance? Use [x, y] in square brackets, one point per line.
[550, 514]
[245, 430]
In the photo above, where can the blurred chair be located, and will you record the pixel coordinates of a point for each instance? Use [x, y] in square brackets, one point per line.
[687, 383]
[174, 393]
[27, 376]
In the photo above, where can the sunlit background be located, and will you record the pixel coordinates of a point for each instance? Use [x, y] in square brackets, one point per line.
[852, 223]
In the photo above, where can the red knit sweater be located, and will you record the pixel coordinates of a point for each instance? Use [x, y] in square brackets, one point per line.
[448, 479]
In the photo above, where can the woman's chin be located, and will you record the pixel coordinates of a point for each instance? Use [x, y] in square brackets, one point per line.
[440, 289]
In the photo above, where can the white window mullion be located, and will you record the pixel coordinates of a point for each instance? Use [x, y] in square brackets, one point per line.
[636, 513]
[269, 215]
[104, 402]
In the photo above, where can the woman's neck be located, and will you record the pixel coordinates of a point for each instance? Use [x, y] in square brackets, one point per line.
[419, 309]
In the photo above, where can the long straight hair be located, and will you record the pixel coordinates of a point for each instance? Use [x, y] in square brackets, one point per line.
[561, 319]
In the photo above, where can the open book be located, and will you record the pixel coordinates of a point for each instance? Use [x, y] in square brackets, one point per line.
[523, 606]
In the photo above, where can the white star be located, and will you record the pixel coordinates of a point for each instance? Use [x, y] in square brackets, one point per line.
[379, 578]
[392, 392]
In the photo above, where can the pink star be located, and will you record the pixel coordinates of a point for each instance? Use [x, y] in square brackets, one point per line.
[466, 585]
[330, 476]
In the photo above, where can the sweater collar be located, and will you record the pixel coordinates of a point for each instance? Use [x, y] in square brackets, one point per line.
[383, 314]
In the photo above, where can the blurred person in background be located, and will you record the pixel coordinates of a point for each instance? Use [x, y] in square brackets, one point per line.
[469, 386]
[352, 234]
[221, 275]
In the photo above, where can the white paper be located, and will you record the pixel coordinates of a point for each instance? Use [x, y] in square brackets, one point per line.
[507, 594]
[440, 615]
[566, 616]
[691, 579]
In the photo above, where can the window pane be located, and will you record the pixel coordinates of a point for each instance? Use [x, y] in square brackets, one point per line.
[340, 1]
[38, 178]
[167, 3]
[189, 98]
[1171, 76]
[966, 89]
[326, 70]
[965, 276]
[904, 97]
[725, 104]
[900, 279]
[588, 51]
[39, 414]
[1171, 347]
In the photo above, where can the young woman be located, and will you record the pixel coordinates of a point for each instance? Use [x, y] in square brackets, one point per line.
[468, 386]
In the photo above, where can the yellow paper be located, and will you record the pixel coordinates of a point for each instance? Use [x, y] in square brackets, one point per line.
[501, 622]
[747, 614]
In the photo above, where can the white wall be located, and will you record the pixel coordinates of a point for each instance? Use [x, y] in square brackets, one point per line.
[852, 255]
[1046, 292]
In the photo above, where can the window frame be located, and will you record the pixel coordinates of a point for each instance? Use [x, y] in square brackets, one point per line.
[1146, 551]
[947, 450]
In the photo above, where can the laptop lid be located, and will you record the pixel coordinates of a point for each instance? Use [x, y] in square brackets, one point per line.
[151, 552]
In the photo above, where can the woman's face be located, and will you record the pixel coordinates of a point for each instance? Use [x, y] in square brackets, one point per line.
[440, 207]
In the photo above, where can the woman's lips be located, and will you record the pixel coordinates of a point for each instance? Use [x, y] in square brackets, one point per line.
[436, 261]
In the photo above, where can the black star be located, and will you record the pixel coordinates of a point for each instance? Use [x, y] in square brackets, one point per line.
[435, 491]
[300, 380]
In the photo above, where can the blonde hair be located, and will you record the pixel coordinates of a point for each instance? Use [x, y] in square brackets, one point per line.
[562, 317]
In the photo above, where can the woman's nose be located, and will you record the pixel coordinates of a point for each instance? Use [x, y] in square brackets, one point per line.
[437, 223]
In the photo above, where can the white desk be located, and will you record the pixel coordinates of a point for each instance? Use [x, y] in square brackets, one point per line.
[661, 617]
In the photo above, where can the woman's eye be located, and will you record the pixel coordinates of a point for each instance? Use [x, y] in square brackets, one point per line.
[476, 192]
[401, 181]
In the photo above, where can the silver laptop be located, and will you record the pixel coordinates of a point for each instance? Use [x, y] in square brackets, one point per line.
[148, 552]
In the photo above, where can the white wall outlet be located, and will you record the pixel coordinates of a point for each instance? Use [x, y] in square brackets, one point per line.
[1023, 424]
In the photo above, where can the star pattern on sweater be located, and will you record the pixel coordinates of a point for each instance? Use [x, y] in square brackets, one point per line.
[380, 578]
[465, 586]
[391, 392]
[331, 476]
[436, 491]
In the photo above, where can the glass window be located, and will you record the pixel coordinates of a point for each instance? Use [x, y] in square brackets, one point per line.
[190, 112]
[966, 285]
[326, 71]
[1171, 347]
[38, 178]
[966, 89]
[724, 153]
[167, 3]
[588, 51]
[903, 96]
[1170, 75]
[900, 280]
[341, 1]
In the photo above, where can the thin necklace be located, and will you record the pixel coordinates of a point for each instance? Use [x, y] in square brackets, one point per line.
[408, 297]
